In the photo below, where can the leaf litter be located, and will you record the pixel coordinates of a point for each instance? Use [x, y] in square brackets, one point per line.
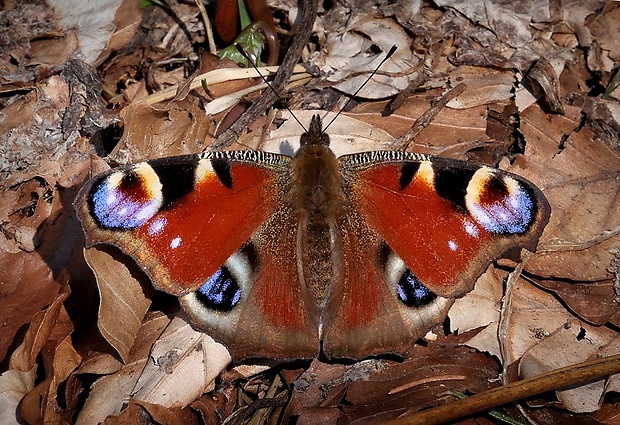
[546, 70]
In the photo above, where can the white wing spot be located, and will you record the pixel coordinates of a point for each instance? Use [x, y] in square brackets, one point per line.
[471, 229]
[157, 226]
[176, 242]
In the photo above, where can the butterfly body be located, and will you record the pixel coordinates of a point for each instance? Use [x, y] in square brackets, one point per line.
[315, 195]
[287, 258]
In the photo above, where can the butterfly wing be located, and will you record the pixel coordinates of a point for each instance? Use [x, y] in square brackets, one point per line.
[418, 231]
[212, 223]
[181, 217]
[267, 313]
[369, 317]
[446, 219]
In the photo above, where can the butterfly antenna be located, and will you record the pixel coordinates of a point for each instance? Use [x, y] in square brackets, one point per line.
[251, 61]
[389, 54]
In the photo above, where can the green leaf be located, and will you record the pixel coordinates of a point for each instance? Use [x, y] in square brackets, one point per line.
[244, 16]
[251, 40]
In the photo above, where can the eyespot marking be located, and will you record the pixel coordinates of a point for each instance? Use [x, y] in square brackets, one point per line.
[223, 290]
[500, 204]
[220, 292]
[126, 199]
[409, 289]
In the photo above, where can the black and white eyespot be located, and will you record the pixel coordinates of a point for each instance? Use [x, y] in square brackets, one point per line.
[216, 302]
[222, 291]
[215, 307]
[409, 289]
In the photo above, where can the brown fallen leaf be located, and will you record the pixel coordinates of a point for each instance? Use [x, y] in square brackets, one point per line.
[580, 179]
[123, 302]
[569, 344]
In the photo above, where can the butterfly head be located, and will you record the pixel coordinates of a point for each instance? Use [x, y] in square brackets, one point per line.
[315, 135]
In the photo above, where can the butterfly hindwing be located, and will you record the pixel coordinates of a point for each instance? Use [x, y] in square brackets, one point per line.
[273, 315]
[374, 316]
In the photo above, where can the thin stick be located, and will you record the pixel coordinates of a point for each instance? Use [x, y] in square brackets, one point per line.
[308, 15]
[580, 373]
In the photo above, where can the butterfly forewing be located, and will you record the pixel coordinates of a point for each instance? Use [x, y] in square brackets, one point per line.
[446, 219]
[182, 217]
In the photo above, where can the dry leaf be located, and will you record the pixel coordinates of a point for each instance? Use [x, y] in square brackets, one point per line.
[350, 60]
[580, 179]
[569, 344]
[123, 303]
[347, 135]
[109, 394]
[94, 24]
[24, 357]
[480, 307]
[14, 385]
[183, 365]
[151, 133]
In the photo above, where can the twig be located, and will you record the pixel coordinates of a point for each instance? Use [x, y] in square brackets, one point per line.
[422, 122]
[308, 15]
[580, 373]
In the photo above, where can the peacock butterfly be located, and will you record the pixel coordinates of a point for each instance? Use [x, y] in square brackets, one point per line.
[345, 257]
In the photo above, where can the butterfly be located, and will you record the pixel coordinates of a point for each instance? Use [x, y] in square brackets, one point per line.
[313, 255]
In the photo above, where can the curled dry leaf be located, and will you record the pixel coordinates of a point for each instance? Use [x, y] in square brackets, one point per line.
[53, 48]
[94, 26]
[36, 113]
[183, 365]
[123, 303]
[167, 415]
[109, 394]
[171, 369]
[44, 399]
[376, 390]
[29, 288]
[594, 302]
[38, 334]
[350, 59]
[23, 210]
[23, 365]
[151, 132]
[533, 315]
[598, 25]
[484, 86]
[14, 385]
[511, 26]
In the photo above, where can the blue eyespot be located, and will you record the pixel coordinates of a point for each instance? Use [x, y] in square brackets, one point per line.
[114, 207]
[412, 292]
[512, 214]
[220, 292]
